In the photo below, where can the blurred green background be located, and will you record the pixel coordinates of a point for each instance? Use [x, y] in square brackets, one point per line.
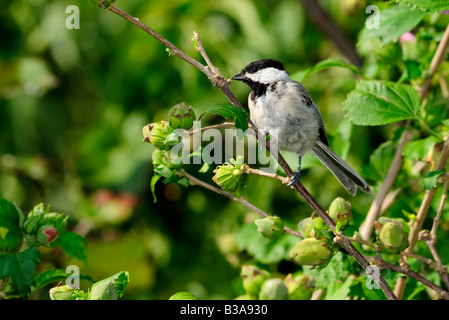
[72, 107]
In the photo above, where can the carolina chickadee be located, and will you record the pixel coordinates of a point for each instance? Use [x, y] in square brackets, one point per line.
[280, 103]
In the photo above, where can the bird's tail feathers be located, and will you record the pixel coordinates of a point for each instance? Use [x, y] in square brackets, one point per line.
[346, 175]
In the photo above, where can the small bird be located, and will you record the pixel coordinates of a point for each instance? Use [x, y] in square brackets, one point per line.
[280, 104]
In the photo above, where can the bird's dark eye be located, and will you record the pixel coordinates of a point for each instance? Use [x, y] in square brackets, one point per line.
[254, 69]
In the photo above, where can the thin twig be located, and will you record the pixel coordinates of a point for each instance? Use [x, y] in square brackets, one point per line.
[228, 195]
[376, 260]
[421, 216]
[431, 243]
[366, 228]
[245, 168]
[436, 220]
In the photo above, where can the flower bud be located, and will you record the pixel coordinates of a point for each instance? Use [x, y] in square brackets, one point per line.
[306, 227]
[391, 234]
[46, 234]
[183, 295]
[270, 227]
[299, 287]
[62, 293]
[311, 252]
[340, 211]
[253, 278]
[273, 289]
[181, 116]
[105, 291]
[31, 224]
[229, 177]
[157, 133]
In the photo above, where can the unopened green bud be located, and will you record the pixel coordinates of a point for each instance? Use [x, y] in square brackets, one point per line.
[273, 289]
[392, 235]
[270, 227]
[306, 227]
[340, 211]
[181, 116]
[104, 291]
[160, 157]
[157, 133]
[311, 252]
[299, 287]
[30, 225]
[183, 295]
[10, 239]
[253, 278]
[46, 234]
[57, 220]
[62, 293]
[229, 177]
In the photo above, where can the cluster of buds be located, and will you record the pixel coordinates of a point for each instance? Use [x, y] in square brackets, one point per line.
[317, 247]
[160, 133]
[107, 289]
[11, 236]
[392, 234]
[259, 284]
[229, 175]
[42, 227]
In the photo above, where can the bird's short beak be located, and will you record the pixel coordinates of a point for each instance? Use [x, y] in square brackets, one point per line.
[239, 77]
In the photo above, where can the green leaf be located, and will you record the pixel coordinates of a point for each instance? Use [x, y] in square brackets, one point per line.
[10, 215]
[430, 179]
[21, 269]
[55, 275]
[263, 249]
[374, 103]
[154, 179]
[428, 5]
[393, 23]
[331, 62]
[419, 149]
[228, 111]
[72, 244]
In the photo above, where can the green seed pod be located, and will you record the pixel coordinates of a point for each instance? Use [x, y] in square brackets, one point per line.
[62, 293]
[299, 287]
[305, 227]
[270, 227]
[340, 211]
[10, 239]
[46, 234]
[273, 289]
[181, 116]
[229, 177]
[392, 234]
[253, 278]
[311, 252]
[157, 133]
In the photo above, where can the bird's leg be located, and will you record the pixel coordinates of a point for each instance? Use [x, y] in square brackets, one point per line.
[294, 180]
